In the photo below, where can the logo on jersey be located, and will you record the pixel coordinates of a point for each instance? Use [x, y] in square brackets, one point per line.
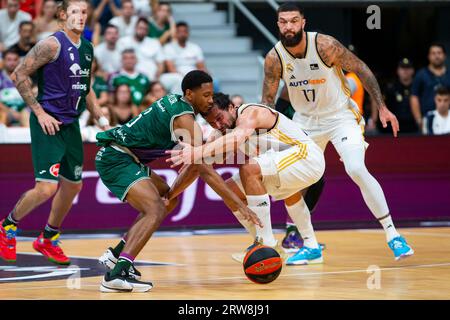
[292, 77]
[78, 72]
[88, 57]
[72, 56]
[314, 66]
[75, 68]
[289, 67]
[79, 86]
[307, 82]
[54, 170]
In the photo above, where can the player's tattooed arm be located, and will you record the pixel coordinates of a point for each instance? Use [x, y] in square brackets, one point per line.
[42, 53]
[333, 53]
[272, 76]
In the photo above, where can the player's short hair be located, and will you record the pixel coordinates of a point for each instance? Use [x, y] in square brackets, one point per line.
[289, 6]
[194, 79]
[221, 100]
[439, 45]
[65, 3]
[441, 91]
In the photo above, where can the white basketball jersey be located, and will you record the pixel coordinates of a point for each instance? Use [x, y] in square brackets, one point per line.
[285, 134]
[315, 90]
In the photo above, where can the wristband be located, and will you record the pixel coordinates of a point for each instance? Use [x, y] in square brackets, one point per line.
[103, 121]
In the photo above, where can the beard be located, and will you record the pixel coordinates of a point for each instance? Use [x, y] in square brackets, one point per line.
[438, 64]
[292, 41]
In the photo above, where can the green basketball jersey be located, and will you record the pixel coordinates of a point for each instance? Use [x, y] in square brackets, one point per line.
[151, 130]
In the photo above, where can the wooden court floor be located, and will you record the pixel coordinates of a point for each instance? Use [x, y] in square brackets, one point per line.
[201, 268]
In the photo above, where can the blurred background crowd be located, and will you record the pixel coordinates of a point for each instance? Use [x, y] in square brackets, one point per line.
[142, 53]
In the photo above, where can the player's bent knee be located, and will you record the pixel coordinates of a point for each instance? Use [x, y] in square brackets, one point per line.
[46, 190]
[250, 170]
[356, 171]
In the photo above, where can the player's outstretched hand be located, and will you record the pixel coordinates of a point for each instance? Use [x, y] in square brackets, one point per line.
[387, 116]
[48, 124]
[185, 155]
[249, 215]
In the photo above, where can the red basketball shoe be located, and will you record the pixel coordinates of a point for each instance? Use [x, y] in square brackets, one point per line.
[51, 249]
[8, 242]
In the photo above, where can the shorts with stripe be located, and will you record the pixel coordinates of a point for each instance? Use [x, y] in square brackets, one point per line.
[344, 129]
[289, 171]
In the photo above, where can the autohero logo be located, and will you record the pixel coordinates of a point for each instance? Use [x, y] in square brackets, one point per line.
[302, 83]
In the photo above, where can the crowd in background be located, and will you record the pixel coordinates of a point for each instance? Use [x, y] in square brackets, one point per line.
[142, 53]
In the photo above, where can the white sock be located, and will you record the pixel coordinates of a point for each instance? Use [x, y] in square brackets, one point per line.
[301, 216]
[389, 227]
[249, 226]
[261, 206]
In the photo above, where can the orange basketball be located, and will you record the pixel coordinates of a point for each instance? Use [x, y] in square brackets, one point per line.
[262, 264]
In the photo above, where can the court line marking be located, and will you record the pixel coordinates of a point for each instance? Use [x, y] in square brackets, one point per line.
[445, 264]
[93, 258]
[414, 233]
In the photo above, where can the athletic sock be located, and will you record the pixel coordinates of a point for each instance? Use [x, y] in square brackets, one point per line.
[291, 227]
[299, 213]
[118, 249]
[249, 226]
[50, 231]
[260, 204]
[9, 220]
[389, 228]
[124, 262]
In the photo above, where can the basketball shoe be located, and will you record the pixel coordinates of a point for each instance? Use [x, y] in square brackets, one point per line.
[400, 248]
[239, 256]
[123, 282]
[8, 242]
[306, 255]
[293, 241]
[109, 260]
[50, 248]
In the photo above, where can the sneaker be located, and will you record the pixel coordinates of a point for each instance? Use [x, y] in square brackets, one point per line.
[50, 248]
[293, 241]
[239, 257]
[400, 248]
[109, 260]
[8, 242]
[123, 283]
[306, 256]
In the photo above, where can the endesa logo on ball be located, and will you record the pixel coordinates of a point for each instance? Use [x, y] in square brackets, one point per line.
[54, 170]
